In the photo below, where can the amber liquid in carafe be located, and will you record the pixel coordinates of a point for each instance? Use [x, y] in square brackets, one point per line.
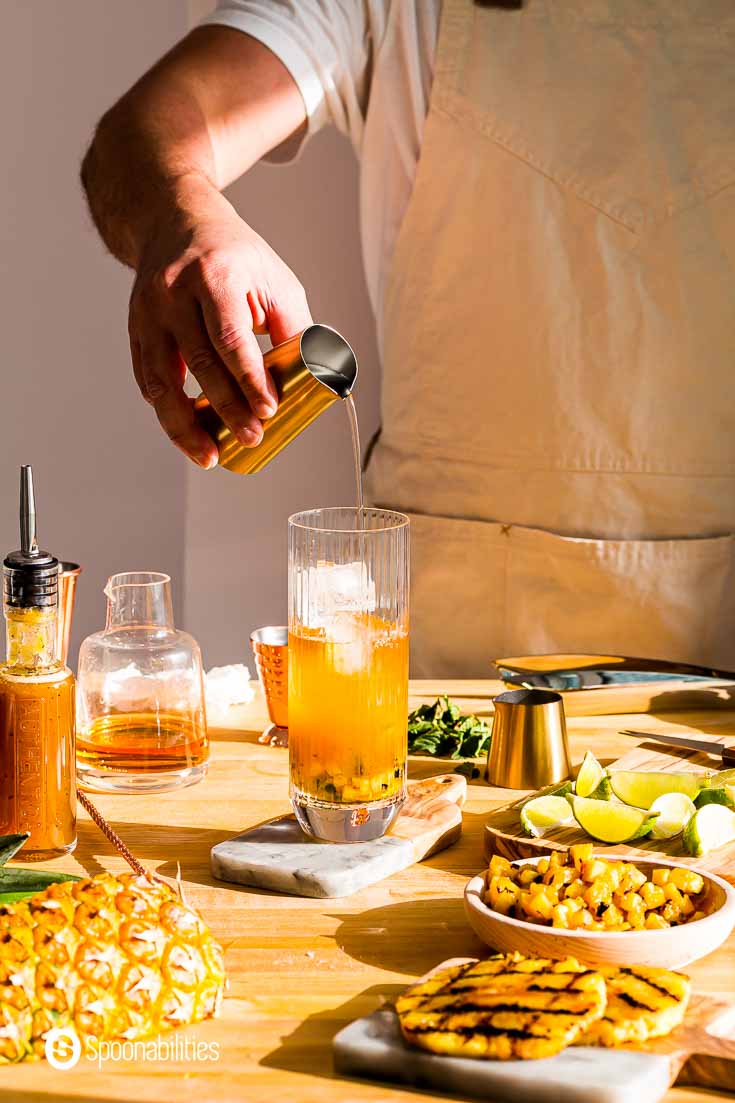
[143, 742]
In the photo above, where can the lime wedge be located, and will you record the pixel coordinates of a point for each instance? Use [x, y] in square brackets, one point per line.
[709, 828]
[674, 812]
[641, 788]
[559, 790]
[592, 779]
[609, 822]
[724, 795]
[542, 813]
[722, 777]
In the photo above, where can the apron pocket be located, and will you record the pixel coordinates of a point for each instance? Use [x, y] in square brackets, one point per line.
[484, 589]
[664, 599]
[457, 596]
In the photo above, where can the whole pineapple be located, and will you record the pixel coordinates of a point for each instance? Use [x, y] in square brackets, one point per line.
[114, 957]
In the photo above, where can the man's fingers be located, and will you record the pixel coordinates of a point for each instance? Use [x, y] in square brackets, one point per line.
[160, 375]
[230, 328]
[214, 378]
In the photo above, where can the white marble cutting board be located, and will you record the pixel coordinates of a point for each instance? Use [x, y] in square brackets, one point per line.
[373, 1048]
[277, 855]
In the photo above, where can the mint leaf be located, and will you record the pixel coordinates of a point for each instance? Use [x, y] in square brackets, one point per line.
[442, 731]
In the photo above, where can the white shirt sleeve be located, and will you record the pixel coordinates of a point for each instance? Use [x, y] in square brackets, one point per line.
[326, 47]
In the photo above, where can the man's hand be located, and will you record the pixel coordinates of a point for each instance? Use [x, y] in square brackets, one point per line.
[206, 284]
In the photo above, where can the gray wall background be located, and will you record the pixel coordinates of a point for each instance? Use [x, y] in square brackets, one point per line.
[112, 492]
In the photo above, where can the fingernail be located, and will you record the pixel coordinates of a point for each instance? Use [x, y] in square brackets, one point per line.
[248, 437]
[206, 460]
[264, 409]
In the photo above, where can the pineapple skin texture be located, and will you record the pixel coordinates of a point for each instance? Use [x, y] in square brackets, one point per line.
[117, 958]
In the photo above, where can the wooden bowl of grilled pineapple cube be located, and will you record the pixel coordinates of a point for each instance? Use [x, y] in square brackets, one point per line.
[647, 912]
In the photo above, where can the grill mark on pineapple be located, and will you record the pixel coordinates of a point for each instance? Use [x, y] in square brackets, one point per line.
[645, 980]
[632, 1002]
[485, 1030]
[498, 1008]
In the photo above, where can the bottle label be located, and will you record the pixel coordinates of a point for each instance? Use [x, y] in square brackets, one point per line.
[29, 765]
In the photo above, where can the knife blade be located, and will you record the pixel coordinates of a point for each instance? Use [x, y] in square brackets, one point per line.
[726, 754]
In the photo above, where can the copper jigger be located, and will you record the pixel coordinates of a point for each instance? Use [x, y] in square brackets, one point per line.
[529, 746]
[311, 371]
[68, 575]
[270, 648]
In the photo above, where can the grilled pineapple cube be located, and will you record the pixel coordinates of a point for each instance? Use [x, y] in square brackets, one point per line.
[593, 869]
[653, 896]
[580, 853]
[599, 892]
[503, 894]
[631, 878]
[540, 906]
[672, 893]
[111, 957]
[660, 876]
[500, 866]
[612, 917]
[526, 876]
[687, 907]
[687, 880]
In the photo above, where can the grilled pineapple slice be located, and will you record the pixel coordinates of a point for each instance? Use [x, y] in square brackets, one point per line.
[642, 1003]
[506, 1006]
[111, 957]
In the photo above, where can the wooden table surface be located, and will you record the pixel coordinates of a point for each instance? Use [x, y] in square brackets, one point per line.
[300, 969]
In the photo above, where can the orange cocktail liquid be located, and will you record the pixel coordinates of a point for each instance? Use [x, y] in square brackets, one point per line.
[348, 711]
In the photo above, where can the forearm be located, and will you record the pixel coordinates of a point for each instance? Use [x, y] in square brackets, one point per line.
[133, 176]
[216, 104]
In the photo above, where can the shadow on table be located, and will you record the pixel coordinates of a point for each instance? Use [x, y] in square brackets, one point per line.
[308, 1049]
[298, 1050]
[235, 735]
[410, 937]
[190, 844]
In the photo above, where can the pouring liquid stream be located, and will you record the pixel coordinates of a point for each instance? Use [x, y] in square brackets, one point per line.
[355, 431]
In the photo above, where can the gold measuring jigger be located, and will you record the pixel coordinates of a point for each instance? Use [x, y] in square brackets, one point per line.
[311, 371]
[529, 746]
[270, 648]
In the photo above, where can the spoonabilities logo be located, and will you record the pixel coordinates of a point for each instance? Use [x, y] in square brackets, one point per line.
[63, 1048]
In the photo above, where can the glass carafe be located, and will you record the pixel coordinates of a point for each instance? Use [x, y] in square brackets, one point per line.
[141, 721]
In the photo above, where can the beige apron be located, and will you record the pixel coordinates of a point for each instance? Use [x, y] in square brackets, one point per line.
[559, 337]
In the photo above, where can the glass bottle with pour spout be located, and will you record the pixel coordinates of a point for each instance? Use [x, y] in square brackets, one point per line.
[142, 724]
[311, 371]
[37, 713]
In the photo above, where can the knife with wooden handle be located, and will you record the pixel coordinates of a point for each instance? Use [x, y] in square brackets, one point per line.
[708, 746]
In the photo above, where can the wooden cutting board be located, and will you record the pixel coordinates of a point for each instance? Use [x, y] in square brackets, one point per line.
[504, 834]
[277, 855]
[701, 1051]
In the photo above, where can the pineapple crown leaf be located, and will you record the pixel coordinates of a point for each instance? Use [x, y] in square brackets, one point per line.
[17, 883]
[10, 845]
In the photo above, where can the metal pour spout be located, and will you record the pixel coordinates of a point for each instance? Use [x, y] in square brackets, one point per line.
[28, 537]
